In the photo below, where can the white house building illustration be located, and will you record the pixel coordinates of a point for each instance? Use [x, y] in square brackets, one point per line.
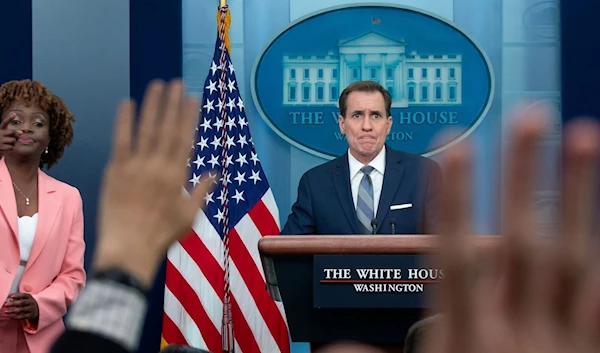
[412, 79]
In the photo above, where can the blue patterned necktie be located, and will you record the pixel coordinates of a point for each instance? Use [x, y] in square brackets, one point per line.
[365, 205]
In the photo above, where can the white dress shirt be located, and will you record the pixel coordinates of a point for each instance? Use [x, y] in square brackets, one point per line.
[27, 226]
[378, 163]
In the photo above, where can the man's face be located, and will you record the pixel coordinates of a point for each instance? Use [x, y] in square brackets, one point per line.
[366, 124]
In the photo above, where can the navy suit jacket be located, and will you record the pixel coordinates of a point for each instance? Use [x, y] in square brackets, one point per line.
[325, 204]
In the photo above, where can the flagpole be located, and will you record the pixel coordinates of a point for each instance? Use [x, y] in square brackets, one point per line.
[222, 3]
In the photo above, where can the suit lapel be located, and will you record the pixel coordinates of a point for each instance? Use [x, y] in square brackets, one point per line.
[391, 183]
[341, 181]
[8, 203]
[48, 208]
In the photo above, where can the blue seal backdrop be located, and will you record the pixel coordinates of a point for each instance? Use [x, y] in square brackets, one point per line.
[437, 75]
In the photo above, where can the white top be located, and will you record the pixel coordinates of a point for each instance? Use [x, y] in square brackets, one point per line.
[27, 227]
[378, 163]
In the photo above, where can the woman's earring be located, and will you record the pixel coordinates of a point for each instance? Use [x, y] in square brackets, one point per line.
[46, 150]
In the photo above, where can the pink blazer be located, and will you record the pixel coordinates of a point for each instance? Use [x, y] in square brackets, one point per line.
[54, 274]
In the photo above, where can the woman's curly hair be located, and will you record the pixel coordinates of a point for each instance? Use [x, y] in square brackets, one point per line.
[61, 119]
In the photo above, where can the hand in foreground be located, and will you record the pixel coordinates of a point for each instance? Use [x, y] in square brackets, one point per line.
[8, 137]
[142, 208]
[349, 347]
[21, 306]
[528, 295]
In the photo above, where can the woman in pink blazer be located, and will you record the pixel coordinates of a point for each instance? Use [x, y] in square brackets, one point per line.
[41, 220]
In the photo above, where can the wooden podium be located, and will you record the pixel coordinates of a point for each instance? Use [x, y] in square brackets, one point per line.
[322, 308]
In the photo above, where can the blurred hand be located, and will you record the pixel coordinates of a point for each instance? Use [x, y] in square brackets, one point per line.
[8, 137]
[349, 347]
[142, 208]
[21, 306]
[528, 295]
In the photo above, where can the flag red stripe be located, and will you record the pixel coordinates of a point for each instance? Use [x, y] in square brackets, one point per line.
[241, 330]
[256, 286]
[171, 332]
[207, 263]
[192, 305]
[263, 219]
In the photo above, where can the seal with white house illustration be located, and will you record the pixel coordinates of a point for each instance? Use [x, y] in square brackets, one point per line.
[437, 75]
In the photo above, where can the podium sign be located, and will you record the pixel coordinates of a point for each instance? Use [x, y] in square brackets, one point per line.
[363, 288]
[373, 281]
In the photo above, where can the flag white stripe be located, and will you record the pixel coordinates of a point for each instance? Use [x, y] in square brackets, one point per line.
[175, 311]
[271, 205]
[266, 342]
[209, 236]
[250, 235]
[269, 201]
[237, 346]
[204, 291]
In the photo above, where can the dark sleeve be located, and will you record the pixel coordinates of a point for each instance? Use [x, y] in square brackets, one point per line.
[433, 195]
[111, 312]
[77, 341]
[301, 221]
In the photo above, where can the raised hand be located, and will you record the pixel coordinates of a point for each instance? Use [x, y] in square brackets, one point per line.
[8, 137]
[528, 295]
[143, 209]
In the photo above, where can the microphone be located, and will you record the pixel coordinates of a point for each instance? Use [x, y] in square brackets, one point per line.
[374, 225]
[393, 225]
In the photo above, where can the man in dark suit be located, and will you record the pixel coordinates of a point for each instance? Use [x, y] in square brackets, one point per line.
[371, 188]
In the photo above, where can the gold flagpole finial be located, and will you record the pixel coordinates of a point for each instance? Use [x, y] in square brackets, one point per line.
[222, 3]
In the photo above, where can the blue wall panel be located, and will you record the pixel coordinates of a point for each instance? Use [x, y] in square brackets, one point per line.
[15, 57]
[580, 47]
[155, 53]
[81, 53]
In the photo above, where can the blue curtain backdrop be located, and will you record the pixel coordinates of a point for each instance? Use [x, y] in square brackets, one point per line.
[155, 49]
[15, 57]
[580, 48]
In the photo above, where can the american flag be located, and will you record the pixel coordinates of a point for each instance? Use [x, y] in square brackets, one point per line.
[215, 292]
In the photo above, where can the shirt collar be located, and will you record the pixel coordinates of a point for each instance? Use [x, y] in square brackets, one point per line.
[378, 163]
